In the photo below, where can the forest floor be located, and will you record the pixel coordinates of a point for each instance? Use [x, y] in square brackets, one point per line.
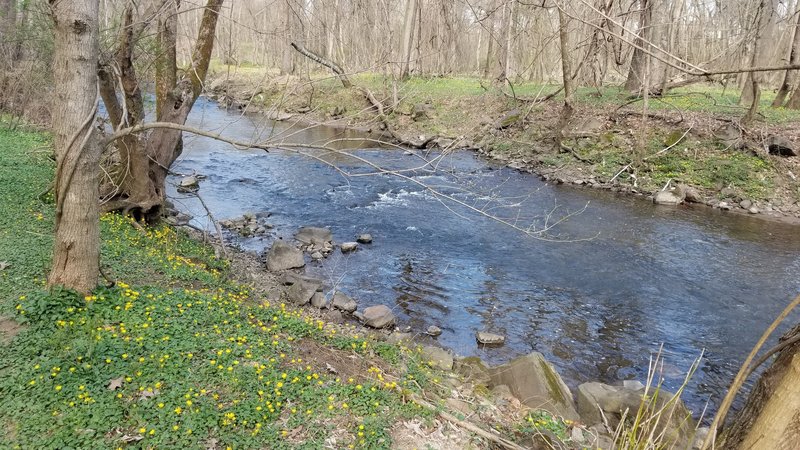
[187, 350]
[692, 137]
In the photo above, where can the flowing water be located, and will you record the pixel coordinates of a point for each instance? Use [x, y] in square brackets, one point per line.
[598, 297]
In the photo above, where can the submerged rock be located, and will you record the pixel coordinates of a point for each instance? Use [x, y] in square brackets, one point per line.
[314, 236]
[344, 303]
[282, 256]
[536, 384]
[378, 316]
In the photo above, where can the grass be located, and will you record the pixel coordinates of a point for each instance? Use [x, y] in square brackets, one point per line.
[175, 355]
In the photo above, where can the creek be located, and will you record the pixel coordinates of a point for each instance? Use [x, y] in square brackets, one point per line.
[609, 286]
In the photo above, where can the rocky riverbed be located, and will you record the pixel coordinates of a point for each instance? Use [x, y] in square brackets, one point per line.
[593, 416]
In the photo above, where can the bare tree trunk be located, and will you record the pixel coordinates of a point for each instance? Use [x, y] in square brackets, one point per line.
[8, 21]
[764, 19]
[789, 76]
[76, 254]
[639, 59]
[771, 417]
[566, 69]
[504, 55]
[408, 37]
[146, 162]
[287, 59]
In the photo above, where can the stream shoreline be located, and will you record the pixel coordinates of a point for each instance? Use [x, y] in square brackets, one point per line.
[578, 173]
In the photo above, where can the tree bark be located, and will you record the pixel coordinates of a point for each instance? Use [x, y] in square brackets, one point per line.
[771, 417]
[752, 90]
[325, 62]
[8, 20]
[636, 74]
[146, 161]
[408, 37]
[790, 78]
[566, 69]
[76, 254]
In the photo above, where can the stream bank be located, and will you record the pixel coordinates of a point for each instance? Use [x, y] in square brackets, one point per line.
[691, 140]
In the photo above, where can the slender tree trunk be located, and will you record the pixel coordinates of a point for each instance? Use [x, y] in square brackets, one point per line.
[76, 255]
[771, 417]
[764, 19]
[8, 21]
[566, 69]
[408, 37]
[287, 58]
[791, 75]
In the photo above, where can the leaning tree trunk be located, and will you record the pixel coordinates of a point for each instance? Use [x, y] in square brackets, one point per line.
[771, 417]
[146, 160]
[76, 255]
[794, 59]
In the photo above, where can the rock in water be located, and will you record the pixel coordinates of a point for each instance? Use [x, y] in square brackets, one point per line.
[189, 184]
[365, 238]
[438, 357]
[378, 316]
[342, 302]
[348, 247]
[433, 330]
[302, 292]
[674, 197]
[282, 256]
[536, 384]
[487, 338]
[314, 235]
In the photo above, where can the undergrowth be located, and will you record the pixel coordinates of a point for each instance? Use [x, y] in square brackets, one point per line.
[175, 354]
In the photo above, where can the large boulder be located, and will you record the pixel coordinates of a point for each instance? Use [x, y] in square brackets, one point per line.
[378, 316]
[779, 145]
[674, 422]
[314, 236]
[671, 197]
[536, 384]
[344, 303]
[282, 256]
[302, 291]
